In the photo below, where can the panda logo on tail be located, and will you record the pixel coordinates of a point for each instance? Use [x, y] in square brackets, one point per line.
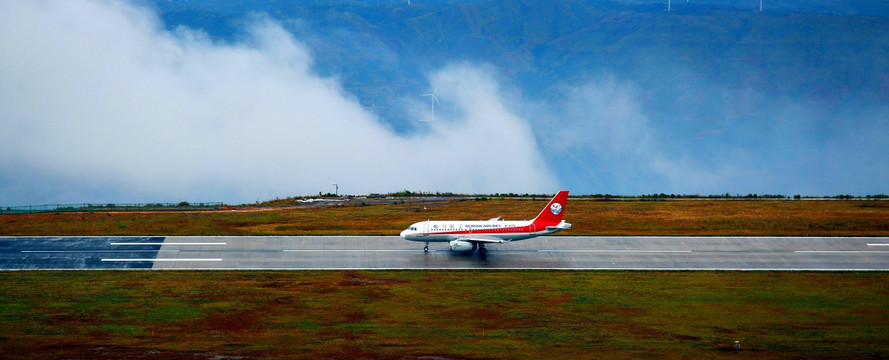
[555, 208]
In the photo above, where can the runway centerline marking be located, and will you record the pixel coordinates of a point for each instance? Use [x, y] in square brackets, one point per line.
[166, 243]
[94, 251]
[841, 252]
[156, 260]
[620, 251]
[346, 250]
[504, 251]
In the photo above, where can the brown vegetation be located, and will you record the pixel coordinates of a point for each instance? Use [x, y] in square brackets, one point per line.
[590, 217]
[442, 314]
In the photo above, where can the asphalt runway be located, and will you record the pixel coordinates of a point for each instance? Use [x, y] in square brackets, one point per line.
[392, 252]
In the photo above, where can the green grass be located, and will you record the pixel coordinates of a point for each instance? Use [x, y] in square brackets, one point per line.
[445, 314]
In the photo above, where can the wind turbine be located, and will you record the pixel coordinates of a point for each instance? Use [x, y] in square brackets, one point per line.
[433, 100]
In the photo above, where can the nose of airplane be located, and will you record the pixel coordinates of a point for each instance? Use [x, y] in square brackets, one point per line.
[404, 233]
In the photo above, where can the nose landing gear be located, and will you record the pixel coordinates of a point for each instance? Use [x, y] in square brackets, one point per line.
[426, 248]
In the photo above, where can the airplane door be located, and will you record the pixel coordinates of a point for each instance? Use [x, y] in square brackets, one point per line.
[533, 228]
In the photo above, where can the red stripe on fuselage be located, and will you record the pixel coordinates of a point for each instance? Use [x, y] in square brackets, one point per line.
[517, 230]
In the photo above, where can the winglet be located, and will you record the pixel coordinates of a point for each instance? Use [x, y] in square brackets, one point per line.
[552, 214]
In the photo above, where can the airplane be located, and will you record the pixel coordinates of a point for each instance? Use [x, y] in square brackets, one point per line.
[471, 235]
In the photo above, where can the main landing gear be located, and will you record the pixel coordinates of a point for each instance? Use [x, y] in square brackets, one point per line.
[481, 248]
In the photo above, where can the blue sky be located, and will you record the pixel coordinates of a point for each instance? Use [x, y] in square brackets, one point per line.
[105, 102]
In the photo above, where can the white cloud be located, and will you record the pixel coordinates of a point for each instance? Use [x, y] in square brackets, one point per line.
[99, 103]
[789, 148]
[604, 125]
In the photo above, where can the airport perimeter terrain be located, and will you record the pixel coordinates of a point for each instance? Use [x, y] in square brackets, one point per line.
[388, 217]
[443, 315]
[452, 314]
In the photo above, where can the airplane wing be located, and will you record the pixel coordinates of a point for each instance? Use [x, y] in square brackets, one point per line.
[482, 239]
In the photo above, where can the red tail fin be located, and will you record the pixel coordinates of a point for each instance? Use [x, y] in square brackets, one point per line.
[552, 214]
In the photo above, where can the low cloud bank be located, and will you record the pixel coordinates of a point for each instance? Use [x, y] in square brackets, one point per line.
[616, 145]
[99, 103]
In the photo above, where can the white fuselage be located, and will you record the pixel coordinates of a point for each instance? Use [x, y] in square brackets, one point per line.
[507, 230]
[472, 235]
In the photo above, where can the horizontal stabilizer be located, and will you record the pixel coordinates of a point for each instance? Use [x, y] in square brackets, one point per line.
[562, 226]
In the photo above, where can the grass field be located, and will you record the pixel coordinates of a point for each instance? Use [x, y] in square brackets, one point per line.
[453, 314]
[590, 217]
[443, 314]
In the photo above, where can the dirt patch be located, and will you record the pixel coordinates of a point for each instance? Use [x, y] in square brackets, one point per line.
[123, 352]
[553, 303]
[356, 279]
[230, 322]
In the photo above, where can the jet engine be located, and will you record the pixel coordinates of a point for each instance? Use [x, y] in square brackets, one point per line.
[460, 245]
